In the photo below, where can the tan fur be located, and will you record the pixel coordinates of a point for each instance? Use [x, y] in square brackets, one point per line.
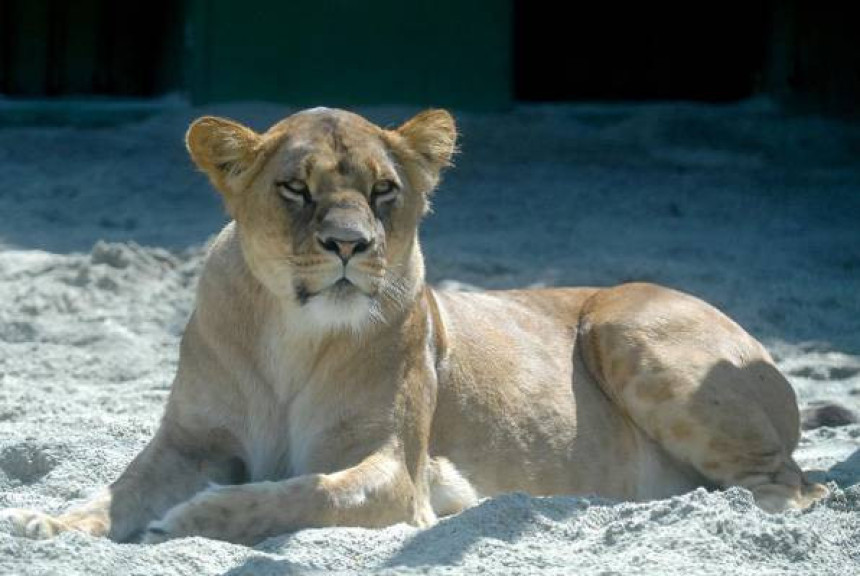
[317, 391]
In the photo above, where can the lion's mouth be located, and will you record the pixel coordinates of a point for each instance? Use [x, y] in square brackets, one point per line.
[342, 286]
[339, 289]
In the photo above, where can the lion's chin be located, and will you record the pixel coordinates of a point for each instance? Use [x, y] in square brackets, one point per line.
[343, 289]
[341, 306]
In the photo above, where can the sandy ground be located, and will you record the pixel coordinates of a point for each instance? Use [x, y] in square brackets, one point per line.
[101, 239]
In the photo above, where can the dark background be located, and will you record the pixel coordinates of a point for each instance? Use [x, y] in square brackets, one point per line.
[477, 54]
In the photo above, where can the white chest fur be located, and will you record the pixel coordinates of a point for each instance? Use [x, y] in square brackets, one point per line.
[266, 440]
[278, 421]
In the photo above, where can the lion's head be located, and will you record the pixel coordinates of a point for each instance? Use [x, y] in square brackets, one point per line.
[327, 205]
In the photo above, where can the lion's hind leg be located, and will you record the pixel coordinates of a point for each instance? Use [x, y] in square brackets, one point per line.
[701, 387]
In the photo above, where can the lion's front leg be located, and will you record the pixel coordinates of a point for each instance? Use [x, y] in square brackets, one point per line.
[377, 492]
[161, 476]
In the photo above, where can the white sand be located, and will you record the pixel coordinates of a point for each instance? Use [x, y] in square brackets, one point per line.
[756, 212]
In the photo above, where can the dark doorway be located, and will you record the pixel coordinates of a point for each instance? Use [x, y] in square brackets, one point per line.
[712, 51]
[90, 47]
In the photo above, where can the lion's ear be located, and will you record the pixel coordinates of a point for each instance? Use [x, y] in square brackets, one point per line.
[222, 148]
[433, 135]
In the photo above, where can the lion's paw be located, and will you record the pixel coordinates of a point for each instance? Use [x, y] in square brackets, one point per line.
[156, 533]
[200, 516]
[31, 524]
[220, 513]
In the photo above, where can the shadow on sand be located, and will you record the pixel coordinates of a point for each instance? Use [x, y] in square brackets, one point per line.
[504, 519]
[844, 474]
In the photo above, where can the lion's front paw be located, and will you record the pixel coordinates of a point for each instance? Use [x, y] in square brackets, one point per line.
[156, 533]
[196, 517]
[32, 524]
[220, 513]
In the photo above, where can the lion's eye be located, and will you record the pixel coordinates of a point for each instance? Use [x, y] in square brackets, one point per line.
[384, 191]
[295, 191]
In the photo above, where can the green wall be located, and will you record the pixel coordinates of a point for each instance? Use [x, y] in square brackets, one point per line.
[342, 52]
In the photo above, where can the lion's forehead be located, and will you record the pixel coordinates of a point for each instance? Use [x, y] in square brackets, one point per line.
[333, 126]
[305, 151]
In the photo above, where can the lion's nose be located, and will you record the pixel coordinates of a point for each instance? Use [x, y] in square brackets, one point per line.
[344, 248]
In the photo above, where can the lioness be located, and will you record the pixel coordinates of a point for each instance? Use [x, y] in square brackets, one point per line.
[321, 382]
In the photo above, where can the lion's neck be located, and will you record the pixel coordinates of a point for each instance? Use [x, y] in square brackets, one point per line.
[295, 354]
[243, 318]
